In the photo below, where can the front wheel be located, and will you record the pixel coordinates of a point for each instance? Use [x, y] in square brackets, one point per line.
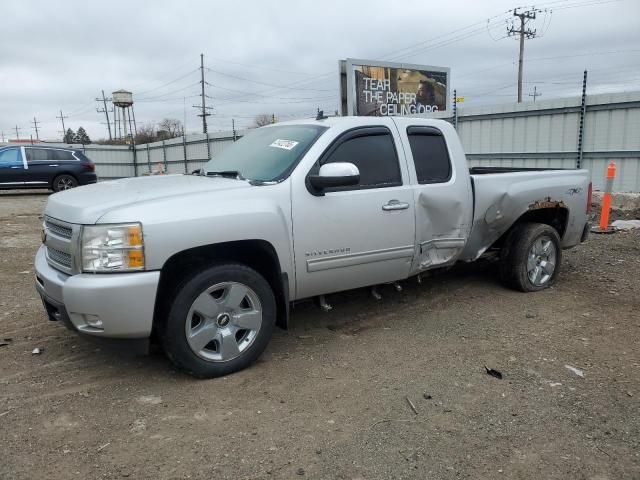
[530, 257]
[220, 321]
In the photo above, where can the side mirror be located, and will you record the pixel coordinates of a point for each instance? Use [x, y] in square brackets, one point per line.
[340, 174]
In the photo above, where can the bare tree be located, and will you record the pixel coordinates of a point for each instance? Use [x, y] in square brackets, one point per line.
[263, 119]
[170, 128]
[146, 134]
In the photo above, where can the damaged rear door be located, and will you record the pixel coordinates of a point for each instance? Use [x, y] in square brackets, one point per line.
[442, 193]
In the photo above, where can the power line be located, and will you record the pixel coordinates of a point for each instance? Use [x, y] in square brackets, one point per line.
[284, 87]
[190, 72]
[259, 67]
[168, 93]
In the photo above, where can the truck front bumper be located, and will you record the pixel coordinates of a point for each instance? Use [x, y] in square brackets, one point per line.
[117, 305]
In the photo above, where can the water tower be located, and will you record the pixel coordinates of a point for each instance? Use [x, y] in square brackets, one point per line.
[123, 115]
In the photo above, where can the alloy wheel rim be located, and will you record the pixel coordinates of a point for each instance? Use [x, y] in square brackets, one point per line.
[223, 321]
[65, 183]
[541, 261]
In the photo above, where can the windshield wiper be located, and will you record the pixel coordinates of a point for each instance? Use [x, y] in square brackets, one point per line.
[226, 174]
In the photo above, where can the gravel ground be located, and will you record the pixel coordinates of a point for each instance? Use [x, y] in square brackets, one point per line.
[328, 399]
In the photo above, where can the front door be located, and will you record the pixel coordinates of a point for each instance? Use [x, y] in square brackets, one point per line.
[11, 168]
[361, 235]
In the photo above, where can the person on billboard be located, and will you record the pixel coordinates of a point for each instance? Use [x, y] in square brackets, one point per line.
[425, 97]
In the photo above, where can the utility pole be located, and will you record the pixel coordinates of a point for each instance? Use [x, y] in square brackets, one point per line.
[35, 125]
[204, 114]
[17, 129]
[535, 93]
[2, 134]
[105, 110]
[523, 33]
[64, 131]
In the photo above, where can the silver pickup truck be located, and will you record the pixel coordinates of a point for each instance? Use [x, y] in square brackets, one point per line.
[208, 264]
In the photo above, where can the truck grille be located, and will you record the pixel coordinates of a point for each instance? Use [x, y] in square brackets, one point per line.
[60, 241]
[61, 258]
[57, 229]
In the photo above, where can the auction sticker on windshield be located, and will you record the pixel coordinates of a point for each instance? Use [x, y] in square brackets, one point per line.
[286, 144]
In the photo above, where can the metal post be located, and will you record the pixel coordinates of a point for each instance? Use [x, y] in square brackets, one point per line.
[233, 128]
[133, 140]
[583, 114]
[148, 158]
[184, 151]
[208, 147]
[135, 161]
[455, 109]
[135, 127]
[115, 122]
[164, 157]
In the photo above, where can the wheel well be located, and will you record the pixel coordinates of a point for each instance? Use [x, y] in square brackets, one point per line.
[257, 254]
[556, 217]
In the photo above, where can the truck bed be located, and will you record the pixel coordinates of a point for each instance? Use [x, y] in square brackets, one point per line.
[503, 194]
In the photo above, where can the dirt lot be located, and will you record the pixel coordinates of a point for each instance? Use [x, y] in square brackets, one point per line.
[329, 397]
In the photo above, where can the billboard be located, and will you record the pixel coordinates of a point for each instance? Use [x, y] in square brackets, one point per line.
[371, 88]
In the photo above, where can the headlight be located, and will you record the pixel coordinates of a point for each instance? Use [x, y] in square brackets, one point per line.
[112, 248]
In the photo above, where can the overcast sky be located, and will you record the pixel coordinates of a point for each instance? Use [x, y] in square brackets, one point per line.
[281, 56]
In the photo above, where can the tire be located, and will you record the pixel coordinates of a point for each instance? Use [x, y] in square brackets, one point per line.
[64, 182]
[203, 333]
[530, 257]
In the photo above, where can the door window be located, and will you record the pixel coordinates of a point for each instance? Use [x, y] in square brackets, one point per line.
[10, 157]
[373, 153]
[39, 154]
[430, 155]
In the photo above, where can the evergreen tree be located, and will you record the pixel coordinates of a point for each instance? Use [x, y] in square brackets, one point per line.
[69, 136]
[82, 137]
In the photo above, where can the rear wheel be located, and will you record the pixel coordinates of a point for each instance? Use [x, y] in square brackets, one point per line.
[64, 182]
[220, 321]
[530, 257]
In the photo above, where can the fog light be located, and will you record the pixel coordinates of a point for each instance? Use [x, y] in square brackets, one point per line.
[92, 320]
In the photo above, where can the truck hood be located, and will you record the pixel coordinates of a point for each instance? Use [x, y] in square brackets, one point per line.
[85, 205]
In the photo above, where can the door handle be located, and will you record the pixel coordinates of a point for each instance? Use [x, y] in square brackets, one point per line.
[16, 167]
[54, 165]
[395, 205]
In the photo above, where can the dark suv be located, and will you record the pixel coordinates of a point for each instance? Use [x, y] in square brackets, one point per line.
[45, 167]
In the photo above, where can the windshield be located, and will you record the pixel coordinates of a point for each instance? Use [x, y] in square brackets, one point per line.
[266, 154]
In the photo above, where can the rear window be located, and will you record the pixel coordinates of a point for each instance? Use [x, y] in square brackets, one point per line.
[430, 155]
[64, 155]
